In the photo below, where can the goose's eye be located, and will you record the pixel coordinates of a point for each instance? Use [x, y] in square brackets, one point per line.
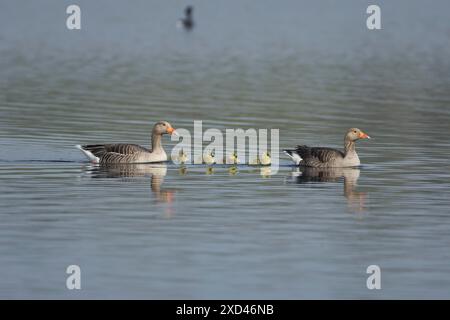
[354, 131]
[165, 125]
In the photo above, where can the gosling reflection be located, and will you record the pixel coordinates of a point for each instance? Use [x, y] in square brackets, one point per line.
[265, 172]
[156, 172]
[355, 199]
[183, 171]
[232, 171]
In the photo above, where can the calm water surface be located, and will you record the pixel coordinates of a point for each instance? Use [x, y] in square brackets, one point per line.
[164, 231]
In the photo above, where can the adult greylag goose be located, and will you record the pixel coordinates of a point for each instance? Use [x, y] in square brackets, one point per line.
[130, 153]
[320, 157]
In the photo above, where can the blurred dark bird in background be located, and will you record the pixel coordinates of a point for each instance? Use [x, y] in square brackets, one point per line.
[187, 22]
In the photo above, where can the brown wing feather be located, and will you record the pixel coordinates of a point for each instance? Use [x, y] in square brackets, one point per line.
[119, 152]
[114, 157]
[318, 156]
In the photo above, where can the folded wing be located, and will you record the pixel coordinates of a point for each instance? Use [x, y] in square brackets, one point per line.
[108, 153]
[318, 156]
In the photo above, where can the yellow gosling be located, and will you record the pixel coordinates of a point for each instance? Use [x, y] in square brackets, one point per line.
[265, 158]
[209, 158]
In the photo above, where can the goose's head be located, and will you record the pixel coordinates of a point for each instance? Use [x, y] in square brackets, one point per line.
[164, 127]
[354, 134]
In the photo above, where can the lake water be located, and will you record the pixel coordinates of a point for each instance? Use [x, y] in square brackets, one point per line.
[308, 68]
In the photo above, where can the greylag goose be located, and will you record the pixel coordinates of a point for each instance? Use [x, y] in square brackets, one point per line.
[182, 157]
[319, 157]
[265, 158]
[130, 153]
[232, 159]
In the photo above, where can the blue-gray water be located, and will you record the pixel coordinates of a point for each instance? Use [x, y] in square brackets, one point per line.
[309, 68]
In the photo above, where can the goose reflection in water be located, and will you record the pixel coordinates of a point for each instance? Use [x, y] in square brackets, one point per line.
[156, 172]
[355, 199]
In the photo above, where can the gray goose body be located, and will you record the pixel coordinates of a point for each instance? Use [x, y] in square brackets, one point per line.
[321, 157]
[122, 153]
[130, 153]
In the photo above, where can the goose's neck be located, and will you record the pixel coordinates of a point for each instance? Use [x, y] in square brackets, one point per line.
[156, 142]
[349, 147]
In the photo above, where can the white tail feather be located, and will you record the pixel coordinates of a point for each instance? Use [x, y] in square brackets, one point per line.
[295, 157]
[88, 154]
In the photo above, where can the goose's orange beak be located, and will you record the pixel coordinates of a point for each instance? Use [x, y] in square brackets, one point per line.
[363, 135]
[172, 131]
